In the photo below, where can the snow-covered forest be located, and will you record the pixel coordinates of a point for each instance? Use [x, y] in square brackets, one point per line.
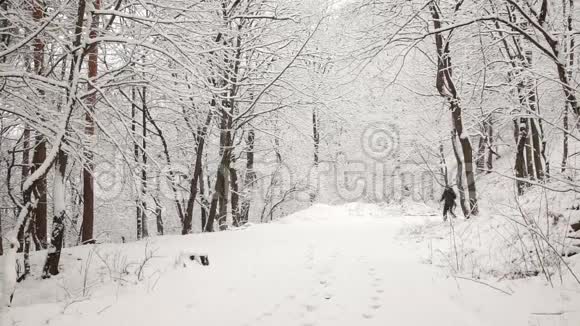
[303, 162]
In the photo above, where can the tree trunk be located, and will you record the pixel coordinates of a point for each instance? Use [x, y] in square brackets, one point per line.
[219, 202]
[569, 44]
[490, 150]
[89, 166]
[520, 167]
[224, 197]
[25, 171]
[565, 139]
[1, 236]
[138, 214]
[204, 201]
[158, 208]
[159, 218]
[315, 136]
[480, 159]
[197, 172]
[467, 160]
[218, 197]
[178, 205]
[4, 36]
[27, 227]
[39, 155]
[57, 235]
[40, 211]
[529, 150]
[443, 164]
[235, 196]
[537, 149]
[249, 178]
[447, 89]
[536, 166]
[316, 141]
[144, 112]
[59, 189]
[212, 208]
[459, 177]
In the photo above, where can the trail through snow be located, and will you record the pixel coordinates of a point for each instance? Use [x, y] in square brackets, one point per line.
[323, 266]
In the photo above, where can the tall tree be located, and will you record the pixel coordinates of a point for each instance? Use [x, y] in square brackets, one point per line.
[447, 89]
[58, 154]
[570, 47]
[39, 155]
[89, 165]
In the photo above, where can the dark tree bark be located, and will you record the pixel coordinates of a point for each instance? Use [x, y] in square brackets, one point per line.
[204, 202]
[315, 136]
[490, 150]
[197, 173]
[136, 156]
[316, 141]
[520, 167]
[480, 159]
[158, 208]
[27, 244]
[159, 218]
[39, 222]
[5, 37]
[57, 234]
[223, 197]
[530, 144]
[569, 44]
[528, 131]
[459, 177]
[178, 205]
[1, 242]
[39, 155]
[89, 166]
[447, 89]
[485, 150]
[235, 196]
[25, 171]
[219, 201]
[144, 113]
[219, 196]
[530, 167]
[535, 136]
[566, 127]
[249, 178]
[467, 160]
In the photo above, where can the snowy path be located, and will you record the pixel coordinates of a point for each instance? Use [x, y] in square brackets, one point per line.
[325, 266]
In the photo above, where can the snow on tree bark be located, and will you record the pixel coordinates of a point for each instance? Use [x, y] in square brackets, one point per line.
[89, 165]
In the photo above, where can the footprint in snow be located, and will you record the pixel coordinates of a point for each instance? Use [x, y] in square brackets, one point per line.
[310, 308]
[367, 316]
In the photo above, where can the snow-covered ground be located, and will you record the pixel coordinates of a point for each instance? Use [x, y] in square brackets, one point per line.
[354, 264]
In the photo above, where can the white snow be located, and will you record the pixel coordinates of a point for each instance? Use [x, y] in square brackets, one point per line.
[327, 265]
